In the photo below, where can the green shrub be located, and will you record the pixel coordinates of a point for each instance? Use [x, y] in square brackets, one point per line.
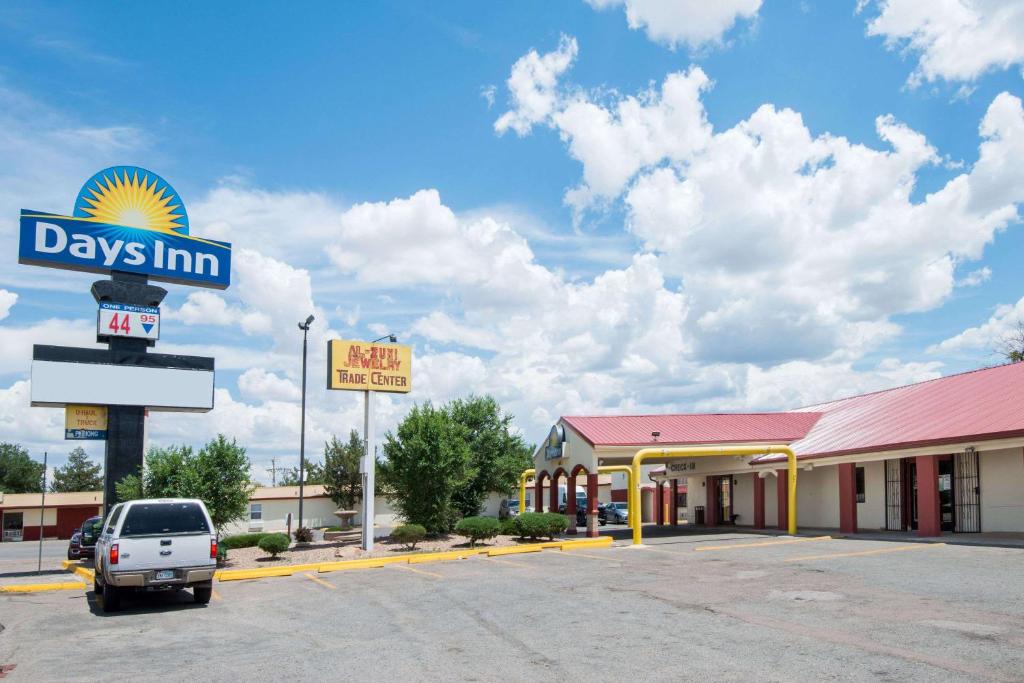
[556, 523]
[508, 527]
[241, 541]
[409, 534]
[478, 529]
[303, 534]
[535, 525]
[274, 544]
[222, 555]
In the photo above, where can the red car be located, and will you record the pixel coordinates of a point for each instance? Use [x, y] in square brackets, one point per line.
[83, 540]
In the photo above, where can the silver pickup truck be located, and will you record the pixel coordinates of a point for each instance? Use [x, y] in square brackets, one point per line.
[158, 544]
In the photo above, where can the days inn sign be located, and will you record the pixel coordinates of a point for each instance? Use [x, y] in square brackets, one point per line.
[125, 219]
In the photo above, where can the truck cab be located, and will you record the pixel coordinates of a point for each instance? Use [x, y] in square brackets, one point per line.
[156, 544]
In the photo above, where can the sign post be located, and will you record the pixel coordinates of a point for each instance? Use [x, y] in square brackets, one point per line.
[368, 367]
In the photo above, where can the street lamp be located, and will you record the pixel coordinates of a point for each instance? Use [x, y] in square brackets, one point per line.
[302, 431]
[390, 337]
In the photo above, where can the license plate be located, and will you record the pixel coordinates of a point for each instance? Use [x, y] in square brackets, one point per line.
[164, 574]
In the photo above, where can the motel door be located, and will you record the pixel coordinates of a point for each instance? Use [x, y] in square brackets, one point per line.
[12, 523]
[724, 500]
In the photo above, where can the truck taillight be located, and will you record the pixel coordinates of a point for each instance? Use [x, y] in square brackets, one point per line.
[213, 548]
[114, 554]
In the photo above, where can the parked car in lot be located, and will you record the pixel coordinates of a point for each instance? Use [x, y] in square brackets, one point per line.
[156, 545]
[581, 514]
[83, 540]
[618, 513]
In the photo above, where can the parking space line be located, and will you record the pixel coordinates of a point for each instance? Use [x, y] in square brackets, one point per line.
[863, 553]
[511, 563]
[316, 579]
[418, 571]
[575, 553]
[763, 544]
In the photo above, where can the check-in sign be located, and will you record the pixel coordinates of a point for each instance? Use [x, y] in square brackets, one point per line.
[85, 422]
[125, 320]
[364, 366]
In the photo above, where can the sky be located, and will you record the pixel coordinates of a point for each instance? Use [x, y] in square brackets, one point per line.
[580, 207]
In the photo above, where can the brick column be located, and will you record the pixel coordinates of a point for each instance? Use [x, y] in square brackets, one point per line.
[538, 496]
[782, 494]
[928, 496]
[570, 503]
[848, 498]
[554, 495]
[711, 501]
[758, 501]
[592, 505]
[658, 504]
[675, 502]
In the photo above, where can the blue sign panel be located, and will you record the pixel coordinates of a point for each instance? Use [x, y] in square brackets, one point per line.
[85, 434]
[126, 219]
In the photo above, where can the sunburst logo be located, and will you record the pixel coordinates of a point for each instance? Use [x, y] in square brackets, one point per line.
[134, 198]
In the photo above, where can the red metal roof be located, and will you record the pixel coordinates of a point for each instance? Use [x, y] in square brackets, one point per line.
[976, 405]
[635, 430]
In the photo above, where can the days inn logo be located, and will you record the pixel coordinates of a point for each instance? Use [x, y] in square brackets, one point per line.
[126, 219]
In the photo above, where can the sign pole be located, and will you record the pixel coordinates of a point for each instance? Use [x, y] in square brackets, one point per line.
[42, 513]
[369, 465]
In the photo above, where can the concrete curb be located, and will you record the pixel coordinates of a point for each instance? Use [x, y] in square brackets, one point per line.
[411, 558]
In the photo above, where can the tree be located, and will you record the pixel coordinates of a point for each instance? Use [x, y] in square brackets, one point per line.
[218, 475]
[79, 474]
[1011, 346]
[342, 479]
[427, 462]
[18, 472]
[498, 456]
[314, 475]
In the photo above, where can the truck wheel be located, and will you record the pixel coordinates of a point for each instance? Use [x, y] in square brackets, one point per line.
[97, 587]
[201, 594]
[111, 599]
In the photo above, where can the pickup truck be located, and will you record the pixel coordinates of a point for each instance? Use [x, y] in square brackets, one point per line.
[159, 544]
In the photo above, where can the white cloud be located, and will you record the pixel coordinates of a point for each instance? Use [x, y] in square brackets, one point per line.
[7, 301]
[954, 40]
[683, 22]
[975, 277]
[532, 86]
[988, 335]
[257, 383]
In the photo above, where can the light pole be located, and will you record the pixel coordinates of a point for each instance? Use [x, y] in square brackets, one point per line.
[302, 431]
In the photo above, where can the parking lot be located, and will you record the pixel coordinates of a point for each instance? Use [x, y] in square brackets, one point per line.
[722, 606]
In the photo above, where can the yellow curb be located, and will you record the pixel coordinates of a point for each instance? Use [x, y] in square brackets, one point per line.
[514, 550]
[446, 555]
[85, 573]
[39, 587]
[580, 545]
[327, 567]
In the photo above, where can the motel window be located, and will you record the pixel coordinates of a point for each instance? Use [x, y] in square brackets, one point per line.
[255, 511]
[681, 500]
[860, 484]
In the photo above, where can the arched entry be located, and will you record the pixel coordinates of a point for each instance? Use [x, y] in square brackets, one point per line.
[556, 477]
[592, 502]
[538, 491]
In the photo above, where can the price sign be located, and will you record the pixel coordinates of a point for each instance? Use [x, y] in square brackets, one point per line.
[125, 320]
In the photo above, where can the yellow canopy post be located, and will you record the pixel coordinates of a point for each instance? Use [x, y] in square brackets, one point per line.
[628, 471]
[702, 452]
[522, 488]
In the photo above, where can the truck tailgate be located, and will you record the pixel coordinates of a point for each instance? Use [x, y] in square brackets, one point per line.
[164, 552]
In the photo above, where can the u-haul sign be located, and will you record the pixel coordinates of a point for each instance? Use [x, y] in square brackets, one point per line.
[125, 320]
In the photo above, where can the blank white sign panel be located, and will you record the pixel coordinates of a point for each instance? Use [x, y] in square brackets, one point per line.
[56, 384]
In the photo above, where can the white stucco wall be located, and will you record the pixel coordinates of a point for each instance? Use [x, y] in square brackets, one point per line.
[818, 497]
[1002, 489]
[871, 513]
[771, 502]
[743, 498]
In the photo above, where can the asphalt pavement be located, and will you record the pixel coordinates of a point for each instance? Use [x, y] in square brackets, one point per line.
[723, 607]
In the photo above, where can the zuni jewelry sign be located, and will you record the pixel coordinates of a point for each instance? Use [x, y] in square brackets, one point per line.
[125, 219]
[363, 366]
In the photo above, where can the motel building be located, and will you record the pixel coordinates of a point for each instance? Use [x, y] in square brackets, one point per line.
[944, 456]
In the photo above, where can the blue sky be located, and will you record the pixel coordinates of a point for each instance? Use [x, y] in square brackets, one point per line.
[355, 153]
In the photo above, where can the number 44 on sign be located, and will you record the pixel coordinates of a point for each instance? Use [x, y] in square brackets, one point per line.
[125, 320]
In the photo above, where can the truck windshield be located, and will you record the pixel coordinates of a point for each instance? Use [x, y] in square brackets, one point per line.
[157, 519]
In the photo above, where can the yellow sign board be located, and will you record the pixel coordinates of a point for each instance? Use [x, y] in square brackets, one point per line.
[365, 366]
[85, 422]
